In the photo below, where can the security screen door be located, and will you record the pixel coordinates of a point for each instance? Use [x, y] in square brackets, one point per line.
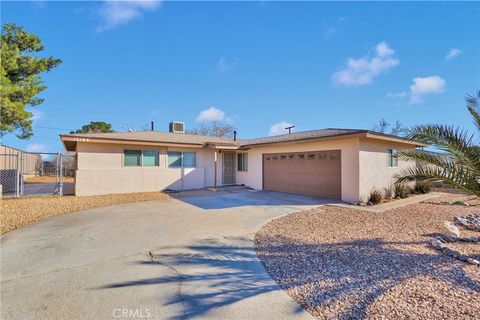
[228, 167]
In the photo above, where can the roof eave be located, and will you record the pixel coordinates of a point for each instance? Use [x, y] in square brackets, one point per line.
[76, 139]
[395, 139]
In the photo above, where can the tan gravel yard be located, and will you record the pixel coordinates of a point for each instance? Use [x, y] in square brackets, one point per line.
[19, 212]
[346, 263]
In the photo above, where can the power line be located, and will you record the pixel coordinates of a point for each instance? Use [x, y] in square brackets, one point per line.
[56, 139]
[53, 128]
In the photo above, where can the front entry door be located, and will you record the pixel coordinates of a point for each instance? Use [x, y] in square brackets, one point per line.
[228, 167]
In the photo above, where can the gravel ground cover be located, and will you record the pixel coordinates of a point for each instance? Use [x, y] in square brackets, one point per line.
[19, 212]
[342, 263]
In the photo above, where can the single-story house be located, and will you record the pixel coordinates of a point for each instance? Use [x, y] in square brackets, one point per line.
[344, 164]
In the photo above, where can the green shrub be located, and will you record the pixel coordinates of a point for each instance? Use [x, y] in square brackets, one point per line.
[375, 196]
[459, 203]
[400, 191]
[422, 187]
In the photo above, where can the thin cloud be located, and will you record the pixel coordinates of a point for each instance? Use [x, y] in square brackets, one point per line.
[36, 147]
[39, 5]
[397, 95]
[115, 13]
[37, 115]
[334, 29]
[211, 114]
[279, 128]
[225, 64]
[362, 71]
[423, 86]
[454, 52]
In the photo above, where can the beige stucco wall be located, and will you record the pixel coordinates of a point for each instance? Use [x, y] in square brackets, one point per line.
[101, 170]
[350, 169]
[374, 169]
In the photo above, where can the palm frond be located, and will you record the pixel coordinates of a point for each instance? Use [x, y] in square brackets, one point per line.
[473, 106]
[426, 157]
[450, 174]
[459, 166]
[457, 143]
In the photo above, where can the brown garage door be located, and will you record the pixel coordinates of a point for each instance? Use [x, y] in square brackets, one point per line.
[312, 173]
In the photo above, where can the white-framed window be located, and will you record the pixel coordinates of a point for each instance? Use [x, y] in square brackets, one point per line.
[182, 159]
[392, 158]
[139, 158]
[242, 161]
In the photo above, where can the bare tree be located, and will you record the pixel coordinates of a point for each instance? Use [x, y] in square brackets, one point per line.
[384, 126]
[214, 129]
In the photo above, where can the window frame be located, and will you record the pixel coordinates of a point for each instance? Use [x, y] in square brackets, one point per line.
[142, 164]
[392, 158]
[136, 151]
[157, 158]
[181, 159]
[195, 157]
[244, 162]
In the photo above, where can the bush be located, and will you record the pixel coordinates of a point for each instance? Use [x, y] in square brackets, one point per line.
[375, 196]
[400, 191]
[422, 187]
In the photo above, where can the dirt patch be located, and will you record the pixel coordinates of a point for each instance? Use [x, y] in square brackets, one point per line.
[17, 213]
[46, 179]
[346, 263]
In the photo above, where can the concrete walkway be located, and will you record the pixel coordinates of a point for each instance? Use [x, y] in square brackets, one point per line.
[187, 258]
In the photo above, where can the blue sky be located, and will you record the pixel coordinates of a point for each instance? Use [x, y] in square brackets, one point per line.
[252, 64]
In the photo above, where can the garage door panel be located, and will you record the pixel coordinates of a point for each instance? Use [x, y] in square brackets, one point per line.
[311, 173]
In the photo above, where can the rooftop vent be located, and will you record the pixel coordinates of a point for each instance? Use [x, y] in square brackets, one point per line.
[177, 127]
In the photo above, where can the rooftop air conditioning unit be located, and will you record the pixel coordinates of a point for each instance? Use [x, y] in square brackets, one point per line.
[177, 127]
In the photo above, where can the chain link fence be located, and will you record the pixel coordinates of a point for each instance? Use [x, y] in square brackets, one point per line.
[27, 173]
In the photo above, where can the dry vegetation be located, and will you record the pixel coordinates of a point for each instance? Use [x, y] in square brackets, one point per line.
[346, 263]
[17, 213]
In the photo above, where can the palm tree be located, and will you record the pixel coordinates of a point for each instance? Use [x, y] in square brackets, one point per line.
[458, 165]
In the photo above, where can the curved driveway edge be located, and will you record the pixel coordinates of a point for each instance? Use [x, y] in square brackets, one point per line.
[186, 258]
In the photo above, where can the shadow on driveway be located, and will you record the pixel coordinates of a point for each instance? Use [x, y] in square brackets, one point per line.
[211, 275]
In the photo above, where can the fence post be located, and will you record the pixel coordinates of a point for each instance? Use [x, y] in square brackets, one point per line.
[21, 171]
[17, 178]
[60, 158]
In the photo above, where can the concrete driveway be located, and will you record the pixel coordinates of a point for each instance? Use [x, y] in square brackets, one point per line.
[190, 257]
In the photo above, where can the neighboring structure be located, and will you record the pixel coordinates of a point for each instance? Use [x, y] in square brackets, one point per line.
[15, 163]
[336, 163]
[15, 159]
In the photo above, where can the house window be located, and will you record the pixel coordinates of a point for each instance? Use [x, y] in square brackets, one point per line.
[392, 158]
[174, 159]
[182, 159]
[132, 158]
[189, 159]
[242, 162]
[150, 158]
[138, 158]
